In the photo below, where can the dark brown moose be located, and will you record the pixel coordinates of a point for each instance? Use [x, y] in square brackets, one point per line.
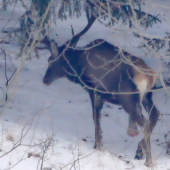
[108, 75]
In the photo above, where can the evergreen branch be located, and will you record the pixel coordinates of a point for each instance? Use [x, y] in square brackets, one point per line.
[123, 11]
[146, 19]
[154, 43]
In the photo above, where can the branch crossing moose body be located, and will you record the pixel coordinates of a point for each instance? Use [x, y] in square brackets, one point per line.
[108, 75]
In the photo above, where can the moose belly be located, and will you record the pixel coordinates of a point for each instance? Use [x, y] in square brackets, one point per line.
[111, 99]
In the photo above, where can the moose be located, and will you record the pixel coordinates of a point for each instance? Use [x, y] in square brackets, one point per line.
[108, 75]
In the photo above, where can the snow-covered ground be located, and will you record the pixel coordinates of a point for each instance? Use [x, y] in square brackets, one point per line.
[51, 128]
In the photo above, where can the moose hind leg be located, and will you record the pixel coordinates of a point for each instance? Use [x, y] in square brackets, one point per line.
[97, 104]
[148, 127]
[132, 127]
[144, 145]
[131, 104]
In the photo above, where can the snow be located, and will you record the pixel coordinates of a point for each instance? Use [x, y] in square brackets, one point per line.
[56, 121]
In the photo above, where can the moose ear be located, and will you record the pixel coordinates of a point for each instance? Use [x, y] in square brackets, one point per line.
[54, 49]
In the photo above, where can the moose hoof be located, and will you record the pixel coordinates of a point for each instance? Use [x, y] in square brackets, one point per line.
[98, 146]
[132, 128]
[132, 132]
[139, 155]
[149, 164]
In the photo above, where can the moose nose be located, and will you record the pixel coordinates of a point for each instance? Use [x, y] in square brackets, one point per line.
[46, 82]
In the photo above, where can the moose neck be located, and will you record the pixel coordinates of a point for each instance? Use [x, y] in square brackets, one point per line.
[69, 61]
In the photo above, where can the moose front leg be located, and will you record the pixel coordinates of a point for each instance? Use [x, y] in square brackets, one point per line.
[97, 104]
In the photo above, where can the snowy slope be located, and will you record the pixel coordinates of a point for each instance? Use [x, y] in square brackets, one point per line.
[52, 127]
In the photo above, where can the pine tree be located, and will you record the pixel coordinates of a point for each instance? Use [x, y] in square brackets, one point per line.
[108, 12]
[126, 11]
[119, 10]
